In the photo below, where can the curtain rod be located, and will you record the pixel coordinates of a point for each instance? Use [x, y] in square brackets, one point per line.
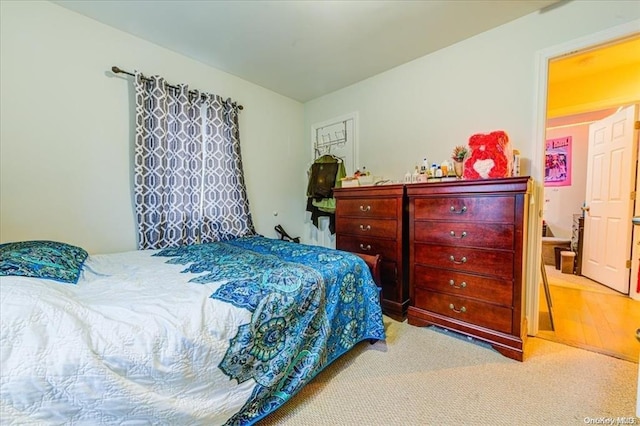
[117, 70]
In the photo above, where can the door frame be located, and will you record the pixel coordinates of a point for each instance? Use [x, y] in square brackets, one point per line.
[534, 256]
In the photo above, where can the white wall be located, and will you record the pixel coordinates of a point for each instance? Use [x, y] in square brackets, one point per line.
[485, 83]
[66, 134]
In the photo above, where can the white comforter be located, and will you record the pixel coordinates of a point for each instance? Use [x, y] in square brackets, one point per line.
[151, 353]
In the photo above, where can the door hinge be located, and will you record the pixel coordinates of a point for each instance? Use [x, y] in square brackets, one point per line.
[633, 195]
[636, 125]
[628, 264]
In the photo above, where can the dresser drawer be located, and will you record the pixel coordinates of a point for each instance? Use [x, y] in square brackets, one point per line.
[494, 235]
[464, 259]
[383, 208]
[491, 290]
[467, 209]
[368, 227]
[487, 315]
[386, 248]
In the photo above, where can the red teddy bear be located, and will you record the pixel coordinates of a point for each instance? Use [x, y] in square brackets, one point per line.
[490, 157]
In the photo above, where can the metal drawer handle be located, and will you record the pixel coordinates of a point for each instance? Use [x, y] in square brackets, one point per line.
[458, 262]
[453, 234]
[462, 210]
[452, 283]
[363, 247]
[365, 228]
[365, 209]
[459, 311]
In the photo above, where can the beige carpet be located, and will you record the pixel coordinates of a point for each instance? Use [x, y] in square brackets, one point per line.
[426, 376]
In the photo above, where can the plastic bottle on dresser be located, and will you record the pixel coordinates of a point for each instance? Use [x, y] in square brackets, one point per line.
[445, 168]
[414, 176]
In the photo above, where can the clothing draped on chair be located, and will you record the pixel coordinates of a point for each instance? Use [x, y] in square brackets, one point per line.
[189, 184]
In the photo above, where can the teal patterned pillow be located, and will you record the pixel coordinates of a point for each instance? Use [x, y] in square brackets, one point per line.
[42, 259]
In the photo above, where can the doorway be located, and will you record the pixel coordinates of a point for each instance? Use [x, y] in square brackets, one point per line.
[564, 105]
[566, 208]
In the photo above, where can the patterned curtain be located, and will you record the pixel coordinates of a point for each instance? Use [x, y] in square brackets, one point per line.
[171, 194]
[225, 204]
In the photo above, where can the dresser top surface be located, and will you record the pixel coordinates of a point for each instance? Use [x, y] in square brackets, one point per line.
[370, 190]
[521, 184]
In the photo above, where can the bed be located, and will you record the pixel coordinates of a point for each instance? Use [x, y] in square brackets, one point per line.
[218, 333]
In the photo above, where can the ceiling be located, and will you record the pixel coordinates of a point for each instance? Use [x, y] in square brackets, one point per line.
[597, 60]
[594, 79]
[305, 49]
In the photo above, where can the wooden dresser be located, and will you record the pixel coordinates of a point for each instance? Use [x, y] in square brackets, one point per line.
[467, 244]
[372, 220]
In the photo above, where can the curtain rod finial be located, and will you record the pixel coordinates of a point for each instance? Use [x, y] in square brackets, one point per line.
[116, 70]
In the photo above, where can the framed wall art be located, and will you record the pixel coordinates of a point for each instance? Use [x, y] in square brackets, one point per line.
[557, 167]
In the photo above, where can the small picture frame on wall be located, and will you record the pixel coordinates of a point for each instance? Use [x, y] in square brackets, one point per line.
[557, 167]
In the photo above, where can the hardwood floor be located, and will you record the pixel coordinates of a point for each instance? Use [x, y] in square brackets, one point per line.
[591, 316]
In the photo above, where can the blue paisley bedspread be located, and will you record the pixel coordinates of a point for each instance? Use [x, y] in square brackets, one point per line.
[309, 305]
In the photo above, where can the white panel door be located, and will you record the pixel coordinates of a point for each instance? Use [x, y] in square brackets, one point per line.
[609, 204]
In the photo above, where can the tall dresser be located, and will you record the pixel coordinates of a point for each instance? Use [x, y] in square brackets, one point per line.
[467, 244]
[372, 220]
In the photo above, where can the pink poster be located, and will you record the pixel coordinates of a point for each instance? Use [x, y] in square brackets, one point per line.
[557, 168]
